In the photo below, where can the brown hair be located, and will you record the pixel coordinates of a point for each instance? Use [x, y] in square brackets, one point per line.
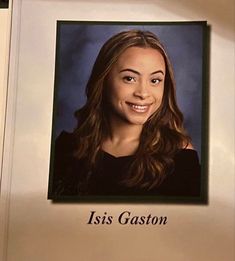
[162, 135]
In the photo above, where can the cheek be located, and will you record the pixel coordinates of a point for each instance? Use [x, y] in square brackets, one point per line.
[112, 91]
[160, 97]
[159, 94]
[118, 94]
[114, 95]
[116, 98]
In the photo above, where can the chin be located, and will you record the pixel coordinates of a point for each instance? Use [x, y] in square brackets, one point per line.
[137, 121]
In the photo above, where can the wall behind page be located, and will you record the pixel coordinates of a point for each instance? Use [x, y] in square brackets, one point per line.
[41, 230]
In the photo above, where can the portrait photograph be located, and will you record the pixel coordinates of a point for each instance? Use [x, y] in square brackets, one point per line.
[129, 112]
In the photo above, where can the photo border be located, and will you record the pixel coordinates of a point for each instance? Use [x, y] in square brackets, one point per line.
[203, 199]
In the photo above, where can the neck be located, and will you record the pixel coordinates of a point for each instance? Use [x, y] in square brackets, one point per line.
[121, 131]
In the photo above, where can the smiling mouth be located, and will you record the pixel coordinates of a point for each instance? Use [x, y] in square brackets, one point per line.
[139, 108]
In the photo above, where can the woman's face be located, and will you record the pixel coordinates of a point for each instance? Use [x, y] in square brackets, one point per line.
[135, 84]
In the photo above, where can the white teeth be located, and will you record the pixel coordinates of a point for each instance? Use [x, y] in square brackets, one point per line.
[139, 107]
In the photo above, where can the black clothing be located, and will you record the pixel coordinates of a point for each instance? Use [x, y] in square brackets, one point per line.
[70, 177]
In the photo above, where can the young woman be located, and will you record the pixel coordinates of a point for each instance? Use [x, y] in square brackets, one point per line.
[129, 139]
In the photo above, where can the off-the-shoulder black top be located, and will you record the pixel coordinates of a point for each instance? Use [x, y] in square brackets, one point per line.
[68, 177]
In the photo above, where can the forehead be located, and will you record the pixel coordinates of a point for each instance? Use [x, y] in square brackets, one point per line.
[142, 58]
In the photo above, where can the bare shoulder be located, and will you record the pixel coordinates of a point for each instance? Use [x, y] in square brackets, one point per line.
[188, 146]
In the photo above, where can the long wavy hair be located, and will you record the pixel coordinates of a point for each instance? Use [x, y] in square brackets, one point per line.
[163, 133]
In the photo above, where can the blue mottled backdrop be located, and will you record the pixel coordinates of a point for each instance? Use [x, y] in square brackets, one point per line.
[78, 45]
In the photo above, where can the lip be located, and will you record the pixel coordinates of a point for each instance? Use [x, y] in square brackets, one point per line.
[137, 107]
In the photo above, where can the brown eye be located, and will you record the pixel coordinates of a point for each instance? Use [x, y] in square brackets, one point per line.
[155, 81]
[129, 79]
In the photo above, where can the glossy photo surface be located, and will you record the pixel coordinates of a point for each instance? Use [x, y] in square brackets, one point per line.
[134, 87]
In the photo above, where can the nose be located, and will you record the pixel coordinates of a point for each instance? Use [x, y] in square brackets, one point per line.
[141, 91]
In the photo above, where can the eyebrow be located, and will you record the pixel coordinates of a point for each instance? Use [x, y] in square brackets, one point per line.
[136, 72]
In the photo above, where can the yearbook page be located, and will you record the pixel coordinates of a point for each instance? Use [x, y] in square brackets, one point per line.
[119, 132]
